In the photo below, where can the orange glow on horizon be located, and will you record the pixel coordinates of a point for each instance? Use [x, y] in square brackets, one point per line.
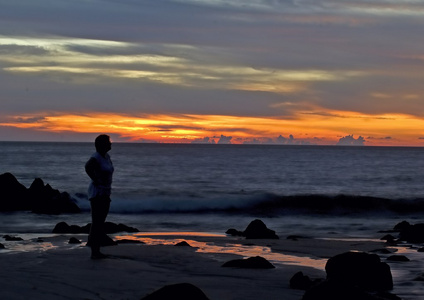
[315, 127]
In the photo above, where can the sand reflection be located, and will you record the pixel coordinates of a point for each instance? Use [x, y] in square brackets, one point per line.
[155, 238]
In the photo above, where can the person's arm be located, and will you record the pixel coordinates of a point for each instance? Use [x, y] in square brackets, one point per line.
[91, 168]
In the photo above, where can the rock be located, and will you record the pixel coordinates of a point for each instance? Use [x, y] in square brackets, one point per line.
[360, 269]
[388, 238]
[401, 226]
[12, 238]
[255, 230]
[46, 200]
[73, 240]
[256, 262]
[420, 249]
[234, 232]
[184, 291]
[115, 228]
[1, 246]
[182, 244]
[258, 230]
[105, 241]
[398, 258]
[419, 278]
[13, 195]
[39, 198]
[412, 233]
[302, 282]
[63, 227]
[381, 251]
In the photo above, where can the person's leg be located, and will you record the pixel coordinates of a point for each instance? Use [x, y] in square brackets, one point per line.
[99, 211]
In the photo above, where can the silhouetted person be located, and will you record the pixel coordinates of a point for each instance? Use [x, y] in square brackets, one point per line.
[100, 169]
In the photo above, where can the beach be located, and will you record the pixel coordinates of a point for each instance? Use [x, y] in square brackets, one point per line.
[49, 267]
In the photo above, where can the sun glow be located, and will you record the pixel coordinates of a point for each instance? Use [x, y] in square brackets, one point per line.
[306, 127]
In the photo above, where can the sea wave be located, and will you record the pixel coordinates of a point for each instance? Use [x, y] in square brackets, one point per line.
[266, 204]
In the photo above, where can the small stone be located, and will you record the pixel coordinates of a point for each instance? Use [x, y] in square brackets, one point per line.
[182, 244]
[73, 240]
[256, 262]
[398, 258]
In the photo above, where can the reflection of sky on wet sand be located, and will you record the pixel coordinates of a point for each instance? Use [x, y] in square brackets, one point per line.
[35, 242]
[227, 248]
[26, 246]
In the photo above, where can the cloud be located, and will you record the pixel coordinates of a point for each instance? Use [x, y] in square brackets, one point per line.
[205, 140]
[349, 140]
[224, 139]
[317, 62]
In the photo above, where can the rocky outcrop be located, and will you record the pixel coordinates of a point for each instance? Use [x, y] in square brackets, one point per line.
[109, 227]
[39, 198]
[411, 233]
[46, 200]
[13, 195]
[255, 230]
[12, 238]
[256, 262]
[183, 291]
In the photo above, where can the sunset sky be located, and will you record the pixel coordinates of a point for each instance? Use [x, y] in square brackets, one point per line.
[227, 71]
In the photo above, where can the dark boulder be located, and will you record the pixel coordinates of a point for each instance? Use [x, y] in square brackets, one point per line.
[381, 251]
[63, 227]
[13, 195]
[1, 246]
[302, 282]
[39, 198]
[412, 233]
[234, 232]
[12, 238]
[255, 230]
[182, 244]
[256, 262]
[184, 291]
[402, 225]
[361, 270]
[105, 240]
[74, 240]
[115, 228]
[46, 200]
[388, 237]
[258, 230]
[401, 258]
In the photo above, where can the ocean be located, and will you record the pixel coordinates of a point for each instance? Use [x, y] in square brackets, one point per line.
[343, 192]
[241, 180]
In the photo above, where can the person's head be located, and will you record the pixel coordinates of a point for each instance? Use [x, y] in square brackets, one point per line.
[103, 143]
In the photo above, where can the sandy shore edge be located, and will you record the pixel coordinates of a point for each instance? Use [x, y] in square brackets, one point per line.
[63, 271]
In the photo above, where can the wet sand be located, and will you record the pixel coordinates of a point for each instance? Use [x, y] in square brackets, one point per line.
[50, 268]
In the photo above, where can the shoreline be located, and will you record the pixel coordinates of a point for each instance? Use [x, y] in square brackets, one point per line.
[58, 270]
